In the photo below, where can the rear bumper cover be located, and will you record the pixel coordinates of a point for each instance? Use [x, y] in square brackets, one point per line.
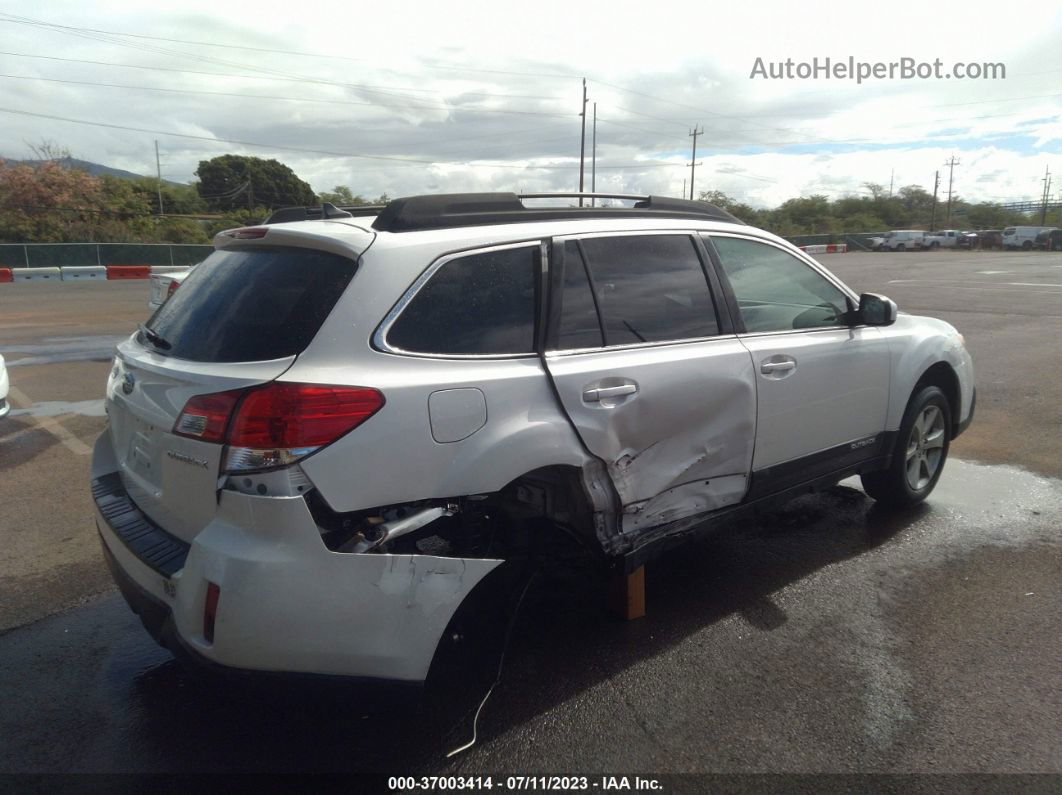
[287, 603]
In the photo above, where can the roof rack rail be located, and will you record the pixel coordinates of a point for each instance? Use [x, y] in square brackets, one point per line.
[286, 215]
[451, 210]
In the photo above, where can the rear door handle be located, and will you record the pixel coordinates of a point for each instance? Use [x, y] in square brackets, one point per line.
[775, 367]
[597, 394]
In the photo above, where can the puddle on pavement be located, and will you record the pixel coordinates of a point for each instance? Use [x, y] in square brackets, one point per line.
[53, 350]
[57, 408]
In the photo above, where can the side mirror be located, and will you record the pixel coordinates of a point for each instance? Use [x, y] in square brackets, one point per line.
[876, 310]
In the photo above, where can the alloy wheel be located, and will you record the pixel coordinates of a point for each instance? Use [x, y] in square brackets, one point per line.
[925, 447]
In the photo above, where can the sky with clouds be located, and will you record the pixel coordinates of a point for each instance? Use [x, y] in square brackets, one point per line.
[414, 97]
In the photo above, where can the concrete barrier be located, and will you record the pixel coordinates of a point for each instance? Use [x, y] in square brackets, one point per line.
[6, 275]
[35, 274]
[83, 272]
[825, 248]
[128, 271]
[170, 268]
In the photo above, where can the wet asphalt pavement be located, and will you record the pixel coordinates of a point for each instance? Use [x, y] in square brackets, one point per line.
[826, 637]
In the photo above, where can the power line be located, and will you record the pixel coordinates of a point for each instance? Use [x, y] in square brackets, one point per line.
[366, 103]
[41, 23]
[406, 105]
[281, 147]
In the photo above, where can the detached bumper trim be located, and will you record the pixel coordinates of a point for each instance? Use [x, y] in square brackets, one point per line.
[962, 426]
[151, 544]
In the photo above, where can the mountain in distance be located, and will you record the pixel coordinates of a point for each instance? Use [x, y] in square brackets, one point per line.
[95, 169]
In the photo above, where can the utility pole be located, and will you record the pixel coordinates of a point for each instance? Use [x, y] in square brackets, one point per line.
[582, 142]
[693, 162]
[158, 172]
[951, 163]
[593, 159]
[1047, 195]
[892, 176]
[936, 184]
[683, 187]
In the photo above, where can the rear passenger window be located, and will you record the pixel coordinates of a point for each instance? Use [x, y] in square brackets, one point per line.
[650, 288]
[482, 304]
[579, 325]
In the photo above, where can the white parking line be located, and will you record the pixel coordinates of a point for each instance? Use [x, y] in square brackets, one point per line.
[52, 425]
[985, 284]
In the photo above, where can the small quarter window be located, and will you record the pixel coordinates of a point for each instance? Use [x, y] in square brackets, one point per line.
[481, 304]
[579, 325]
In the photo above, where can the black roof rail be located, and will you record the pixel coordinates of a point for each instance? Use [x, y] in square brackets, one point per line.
[286, 215]
[449, 210]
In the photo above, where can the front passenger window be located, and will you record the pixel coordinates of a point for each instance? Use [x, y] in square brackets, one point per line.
[775, 291]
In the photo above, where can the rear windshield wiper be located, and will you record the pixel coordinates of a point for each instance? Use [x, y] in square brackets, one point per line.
[155, 338]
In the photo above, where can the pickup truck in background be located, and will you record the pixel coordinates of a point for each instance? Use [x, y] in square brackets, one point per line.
[948, 238]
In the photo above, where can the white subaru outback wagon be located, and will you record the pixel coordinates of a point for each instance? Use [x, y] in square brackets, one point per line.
[318, 446]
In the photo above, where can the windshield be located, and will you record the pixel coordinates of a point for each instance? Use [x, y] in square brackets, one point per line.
[245, 305]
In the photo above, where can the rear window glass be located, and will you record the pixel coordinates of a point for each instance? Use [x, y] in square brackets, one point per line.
[650, 288]
[250, 305]
[482, 304]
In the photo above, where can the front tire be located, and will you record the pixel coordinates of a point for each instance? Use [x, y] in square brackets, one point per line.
[919, 455]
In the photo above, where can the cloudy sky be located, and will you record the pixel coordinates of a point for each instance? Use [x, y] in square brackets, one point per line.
[412, 97]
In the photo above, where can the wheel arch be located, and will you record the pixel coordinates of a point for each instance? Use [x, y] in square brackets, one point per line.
[943, 376]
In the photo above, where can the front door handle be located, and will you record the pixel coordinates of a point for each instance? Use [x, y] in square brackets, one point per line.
[597, 394]
[774, 367]
[778, 366]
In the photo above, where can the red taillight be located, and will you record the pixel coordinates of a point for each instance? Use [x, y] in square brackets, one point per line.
[206, 417]
[210, 611]
[300, 415]
[278, 423]
[172, 288]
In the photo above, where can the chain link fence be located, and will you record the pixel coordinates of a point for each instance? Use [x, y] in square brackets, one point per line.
[64, 255]
[856, 241]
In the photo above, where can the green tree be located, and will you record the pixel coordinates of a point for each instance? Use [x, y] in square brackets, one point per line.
[181, 230]
[47, 203]
[232, 181]
[343, 196]
[340, 196]
[176, 199]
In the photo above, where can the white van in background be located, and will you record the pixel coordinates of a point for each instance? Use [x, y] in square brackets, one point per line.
[1022, 236]
[903, 239]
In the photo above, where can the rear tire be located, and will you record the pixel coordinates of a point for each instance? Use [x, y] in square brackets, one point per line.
[919, 455]
[901, 247]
